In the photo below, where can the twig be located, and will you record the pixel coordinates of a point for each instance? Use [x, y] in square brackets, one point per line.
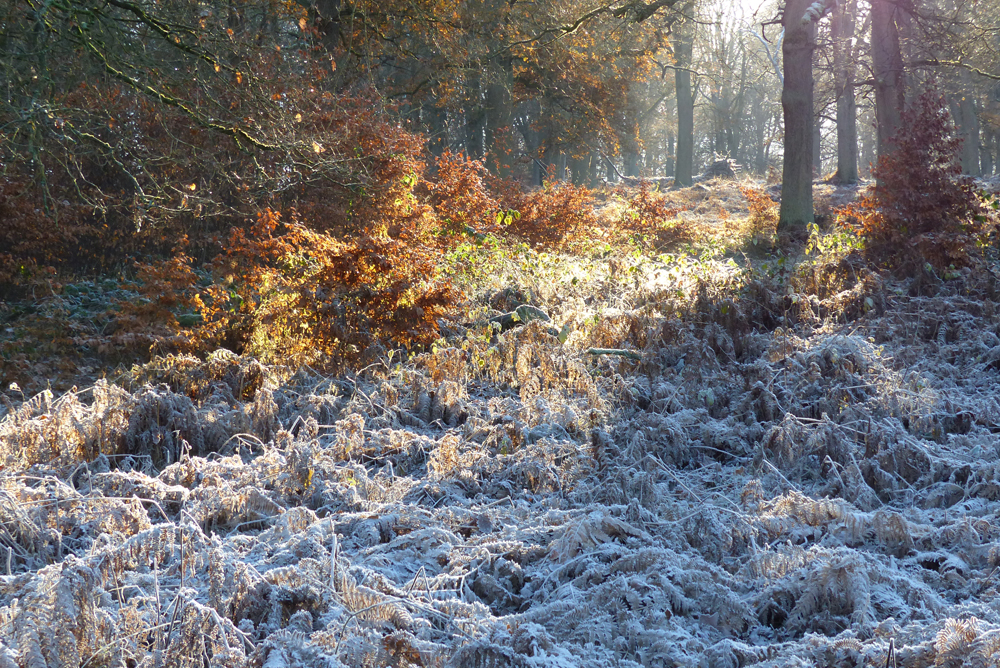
[614, 351]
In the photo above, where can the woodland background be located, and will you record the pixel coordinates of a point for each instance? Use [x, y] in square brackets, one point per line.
[191, 152]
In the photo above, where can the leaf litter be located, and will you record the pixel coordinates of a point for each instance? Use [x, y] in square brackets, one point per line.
[801, 470]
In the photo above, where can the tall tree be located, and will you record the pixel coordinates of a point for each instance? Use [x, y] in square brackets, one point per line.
[799, 22]
[683, 50]
[842, 33]
[887, 67]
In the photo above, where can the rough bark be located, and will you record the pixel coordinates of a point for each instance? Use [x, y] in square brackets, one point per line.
[797, 106]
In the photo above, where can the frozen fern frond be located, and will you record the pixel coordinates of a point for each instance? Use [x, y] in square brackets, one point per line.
[589, 531]
[961, 643]
[371, 605]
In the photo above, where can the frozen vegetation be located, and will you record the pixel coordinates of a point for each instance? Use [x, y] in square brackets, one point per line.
[801, 468]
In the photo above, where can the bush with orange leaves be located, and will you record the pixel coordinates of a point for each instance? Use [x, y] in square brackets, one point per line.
[291, 295]
[647, 216]
[461, 195]
[921, 209]
[762, 222]
[552, 217]
[466, 198]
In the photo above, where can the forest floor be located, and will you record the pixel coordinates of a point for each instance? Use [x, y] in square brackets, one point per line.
[797, 465]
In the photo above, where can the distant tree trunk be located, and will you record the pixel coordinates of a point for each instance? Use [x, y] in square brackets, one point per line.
[736, 117]
[887, 62]
[797, 104]
[868, 140]
[986, 153]
[325, 15]
[529, 123]
[475, 120]
[578, 170]
[683, 49]
[668, 164]
[652, 151]
[434, 119]
[759, 115]
[559, 159]
[847, 107]
[548, 154]
[594, 170]
[498, 115]
[609, 171]
[631, 163]
[968, 126]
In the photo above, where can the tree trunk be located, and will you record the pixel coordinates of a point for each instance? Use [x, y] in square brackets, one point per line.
[559, 160]
[325, 15]
[868, 141]
[435, 120]
[631, 163]
[968, 125]
[683, 48]
[797, 105]
[847, 107]
[498, 115]
[986, 154]
[594, 169]
[887, 62]
[547, 154]
[578, 170]
[817, 147]
[475, 119]
[668, 164]
[652, 153]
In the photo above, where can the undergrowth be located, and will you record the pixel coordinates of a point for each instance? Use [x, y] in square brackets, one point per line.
[796, 464]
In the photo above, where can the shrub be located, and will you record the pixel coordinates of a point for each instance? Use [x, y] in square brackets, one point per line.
[461, 196]
[921, 209]
[550, 217]
[762, 221]
[291, 295]
[646, 215]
